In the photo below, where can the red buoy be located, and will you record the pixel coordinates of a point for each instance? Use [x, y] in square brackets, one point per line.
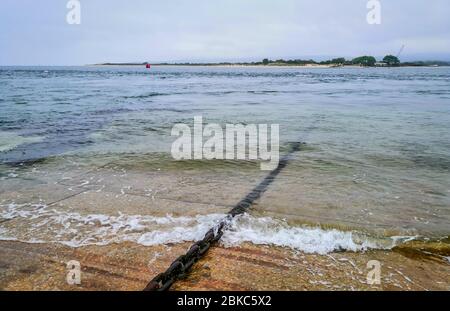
[147, 66]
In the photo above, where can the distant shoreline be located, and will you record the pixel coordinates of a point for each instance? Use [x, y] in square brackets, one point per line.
[212, 65]
[258, 66]
[358, 62]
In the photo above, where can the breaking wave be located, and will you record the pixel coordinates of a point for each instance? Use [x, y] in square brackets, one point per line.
[41, 224]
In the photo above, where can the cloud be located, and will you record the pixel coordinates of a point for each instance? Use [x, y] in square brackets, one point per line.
[35, 32]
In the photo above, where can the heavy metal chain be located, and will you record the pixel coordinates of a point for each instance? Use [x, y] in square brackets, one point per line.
[181, 266]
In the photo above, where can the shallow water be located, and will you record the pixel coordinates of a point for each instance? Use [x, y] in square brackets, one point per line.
[376, 158]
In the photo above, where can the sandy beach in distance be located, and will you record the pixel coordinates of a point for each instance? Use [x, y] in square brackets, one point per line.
[232, 66]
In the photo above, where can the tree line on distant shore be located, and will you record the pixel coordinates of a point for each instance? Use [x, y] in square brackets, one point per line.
[369, 61]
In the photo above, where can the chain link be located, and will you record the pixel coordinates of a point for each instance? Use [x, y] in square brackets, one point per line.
[181, 266]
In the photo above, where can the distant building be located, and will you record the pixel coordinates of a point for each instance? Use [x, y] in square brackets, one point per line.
[381, 64]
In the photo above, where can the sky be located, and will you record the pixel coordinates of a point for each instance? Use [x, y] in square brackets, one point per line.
[35, 32]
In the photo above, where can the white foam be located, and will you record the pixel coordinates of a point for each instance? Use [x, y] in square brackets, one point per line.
[38, 223]
[73, 229]
[269, 231]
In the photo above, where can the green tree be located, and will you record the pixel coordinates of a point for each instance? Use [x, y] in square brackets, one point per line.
[391, 60]
[265, 61]
[339, 60]
[364, 61]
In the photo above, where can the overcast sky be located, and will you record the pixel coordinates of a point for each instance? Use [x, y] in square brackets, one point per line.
[35, 32]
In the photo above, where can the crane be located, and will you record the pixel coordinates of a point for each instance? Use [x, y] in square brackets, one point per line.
[400, 51]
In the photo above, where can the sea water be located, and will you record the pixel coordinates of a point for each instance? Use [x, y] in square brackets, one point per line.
[375, 159]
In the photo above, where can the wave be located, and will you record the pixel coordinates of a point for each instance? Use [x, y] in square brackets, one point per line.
[41, 224]
[145, 95]
[270, 231]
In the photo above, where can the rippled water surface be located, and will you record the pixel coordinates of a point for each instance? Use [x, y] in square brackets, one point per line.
[376, 156]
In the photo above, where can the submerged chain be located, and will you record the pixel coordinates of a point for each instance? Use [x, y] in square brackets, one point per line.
[180, 267]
